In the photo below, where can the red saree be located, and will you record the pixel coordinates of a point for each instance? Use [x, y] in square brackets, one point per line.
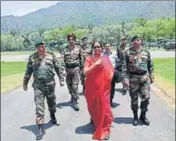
[97, 93]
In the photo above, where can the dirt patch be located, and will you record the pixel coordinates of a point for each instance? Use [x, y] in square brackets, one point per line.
[164, 92]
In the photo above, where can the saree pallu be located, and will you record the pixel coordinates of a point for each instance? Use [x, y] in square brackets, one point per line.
[97, 93]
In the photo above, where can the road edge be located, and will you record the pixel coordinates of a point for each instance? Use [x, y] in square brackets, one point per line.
[162, 94]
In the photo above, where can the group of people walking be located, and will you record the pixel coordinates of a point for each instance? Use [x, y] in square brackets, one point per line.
[100, 69]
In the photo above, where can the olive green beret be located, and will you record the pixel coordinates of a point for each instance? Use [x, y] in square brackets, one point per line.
[135, 37]
[39, 41]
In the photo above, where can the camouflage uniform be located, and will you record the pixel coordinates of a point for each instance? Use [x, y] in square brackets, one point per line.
[140, 71]
[60, 58]
[84, 53]
[122, 53]
[73, 62]
[44, 82]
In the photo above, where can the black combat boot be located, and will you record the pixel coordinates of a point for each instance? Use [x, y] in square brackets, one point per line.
[53, 118]
[135, 120]
[71, 99]
[41, 132]
[75, 104]
[144, 119]
[124, 91]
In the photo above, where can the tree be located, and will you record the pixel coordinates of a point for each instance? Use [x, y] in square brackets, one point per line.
[140, 21]
[90, 26]
[27, 42]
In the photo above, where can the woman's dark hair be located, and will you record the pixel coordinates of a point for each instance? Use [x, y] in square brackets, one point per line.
[96, 42]
[106, 43]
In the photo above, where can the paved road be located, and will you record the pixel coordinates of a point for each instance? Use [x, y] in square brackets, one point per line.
[154, 54]
[162, 54]
[9, 58]
[18, 119]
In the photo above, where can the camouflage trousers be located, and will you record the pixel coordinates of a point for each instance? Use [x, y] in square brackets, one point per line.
[44, 89]
[82, 78]
[139, 86]
[72, 80]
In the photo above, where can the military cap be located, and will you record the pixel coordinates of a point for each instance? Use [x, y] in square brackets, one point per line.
[71, 35]
[39, 41]
[123, 37]
[135, 37]
[84, 38]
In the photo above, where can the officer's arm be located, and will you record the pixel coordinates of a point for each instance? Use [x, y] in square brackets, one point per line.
[80, 58]
[150, 68]
[127, 62]
[58, 68]
[114, 60]
[28, 73]
[125, 70]
[64, 57]
[123, 60]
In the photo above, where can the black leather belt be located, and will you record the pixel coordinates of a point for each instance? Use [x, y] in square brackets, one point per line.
[43, 80]
[138, 73]
[69, 66]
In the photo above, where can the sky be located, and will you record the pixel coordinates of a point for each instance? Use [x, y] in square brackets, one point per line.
[20, 8]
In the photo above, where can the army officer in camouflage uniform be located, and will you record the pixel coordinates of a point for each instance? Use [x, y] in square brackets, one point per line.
[42, 65]
[121, 53]
[141, 73]
[85, 51]
[73, 63]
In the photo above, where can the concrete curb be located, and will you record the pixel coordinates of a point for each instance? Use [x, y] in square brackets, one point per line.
[8, 91]
[161, 93]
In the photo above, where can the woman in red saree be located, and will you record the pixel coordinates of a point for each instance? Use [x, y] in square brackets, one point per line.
[99, 72]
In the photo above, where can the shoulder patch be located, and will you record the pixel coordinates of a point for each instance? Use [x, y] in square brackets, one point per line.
[49, 52]
[33, 54]
[76, 46]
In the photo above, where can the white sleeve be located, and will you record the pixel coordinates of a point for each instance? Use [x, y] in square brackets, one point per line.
[113, 59]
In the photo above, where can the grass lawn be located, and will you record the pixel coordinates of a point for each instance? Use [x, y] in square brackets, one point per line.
[164, 70]
[11, 82]
[11, 68]
[149, 49]
[11, 75]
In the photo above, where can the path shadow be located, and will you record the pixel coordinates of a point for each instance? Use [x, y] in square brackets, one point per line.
[85, 129]
[115, 105]
[64, 104]
[34, 128]
[119, 90]
[123, 120]
[81, 94]
[126, 120]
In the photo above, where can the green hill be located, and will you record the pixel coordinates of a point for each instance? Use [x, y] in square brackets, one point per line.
[82, 13]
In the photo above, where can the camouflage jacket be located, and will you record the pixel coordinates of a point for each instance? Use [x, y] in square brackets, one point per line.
[122, 55]
[43, 68]
[139, 63]
[85, 52]
[73, 58]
